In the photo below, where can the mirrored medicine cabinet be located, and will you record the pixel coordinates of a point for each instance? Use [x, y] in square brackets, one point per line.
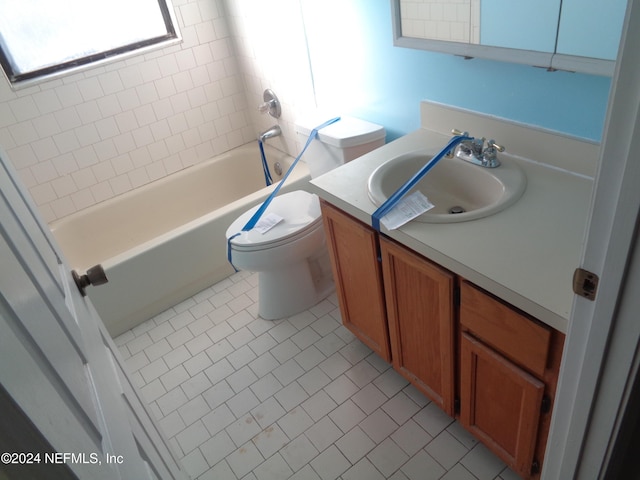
[574, 35]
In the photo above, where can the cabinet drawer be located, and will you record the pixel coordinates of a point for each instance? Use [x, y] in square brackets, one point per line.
[519, 338]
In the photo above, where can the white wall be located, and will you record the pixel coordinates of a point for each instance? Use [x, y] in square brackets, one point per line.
[84, 138]
[272, 53]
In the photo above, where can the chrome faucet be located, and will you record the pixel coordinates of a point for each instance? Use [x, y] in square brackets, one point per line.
[271, 132]
[474, 151]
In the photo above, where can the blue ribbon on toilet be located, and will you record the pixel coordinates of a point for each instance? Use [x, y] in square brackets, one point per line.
[256, 216]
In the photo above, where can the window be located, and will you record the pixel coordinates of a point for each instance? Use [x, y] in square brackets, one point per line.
[39, 38]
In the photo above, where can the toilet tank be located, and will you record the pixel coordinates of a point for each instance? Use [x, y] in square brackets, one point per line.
[338, 143]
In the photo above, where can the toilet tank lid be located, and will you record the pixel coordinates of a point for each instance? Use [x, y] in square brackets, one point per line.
[348, 132]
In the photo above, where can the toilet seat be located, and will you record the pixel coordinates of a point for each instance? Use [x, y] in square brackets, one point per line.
[300, 211]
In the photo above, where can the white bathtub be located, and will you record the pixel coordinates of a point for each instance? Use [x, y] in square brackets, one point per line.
[165, 241]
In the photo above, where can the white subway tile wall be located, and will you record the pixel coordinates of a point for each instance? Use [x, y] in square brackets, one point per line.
[86, 137]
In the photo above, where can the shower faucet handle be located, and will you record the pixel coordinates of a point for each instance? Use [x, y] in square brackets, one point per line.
[271, 104]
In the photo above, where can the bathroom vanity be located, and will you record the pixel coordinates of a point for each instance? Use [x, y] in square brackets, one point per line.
[472, 313]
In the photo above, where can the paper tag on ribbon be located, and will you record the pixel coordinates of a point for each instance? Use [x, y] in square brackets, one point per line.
[267, 222]
[406, 210]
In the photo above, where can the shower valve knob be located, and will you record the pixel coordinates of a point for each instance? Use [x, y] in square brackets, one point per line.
[95, 276]
[264, 108]
[271, 104]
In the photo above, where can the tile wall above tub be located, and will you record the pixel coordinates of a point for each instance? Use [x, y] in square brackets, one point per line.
[86, 137]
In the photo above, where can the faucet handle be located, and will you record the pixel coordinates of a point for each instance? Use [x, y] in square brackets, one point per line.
[493, 144]
[457, 132]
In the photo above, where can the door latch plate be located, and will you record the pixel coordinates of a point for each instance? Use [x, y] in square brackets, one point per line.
[585, 283]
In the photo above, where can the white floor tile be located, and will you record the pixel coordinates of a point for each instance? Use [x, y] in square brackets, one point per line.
[275, 468]
[432, 419]
[390, 382]
[330, 464]
[411, 437]
[387, 457]
[400, 408]
[355, 444]
[243, 402]
[198, 343]
[219, 371]
[195, 464]
[446, 450]
[423, 467]
[306, 473]
[313, 380]
[369, 398]
[218, 394]
[241, 397]
[288, 372]
[363, 470]
[323, 433]
[295, 422]
[192, 436]
[309, 358]
[194, 410]
[378, 426]
[299, 452]
[157, 350]
[341, 389]
[174, 377]
[197, 363]
[218, 419]
[458, 472]
[270, 440]
[335, 365]
[217, 448]
[170, 401]
[329, 344]
[244, 459]
[292, 394]
[241, 357]
[177, 356]
[482, 463]
[319, 405]
[347, 416]
[243, 429]
[266, 386]
[154, 370]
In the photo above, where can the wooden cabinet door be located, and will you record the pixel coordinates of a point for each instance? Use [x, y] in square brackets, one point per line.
[353, 250]
[500, 404]
[419, 297]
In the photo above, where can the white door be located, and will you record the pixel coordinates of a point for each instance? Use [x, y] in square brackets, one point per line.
[68, 408]
[601, 355]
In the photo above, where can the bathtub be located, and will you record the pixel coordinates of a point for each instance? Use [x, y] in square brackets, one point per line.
[165, 241]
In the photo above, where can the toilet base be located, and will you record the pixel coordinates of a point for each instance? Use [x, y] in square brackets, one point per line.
[294, 288]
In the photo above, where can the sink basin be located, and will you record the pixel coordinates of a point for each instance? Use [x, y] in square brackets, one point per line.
[459, 190]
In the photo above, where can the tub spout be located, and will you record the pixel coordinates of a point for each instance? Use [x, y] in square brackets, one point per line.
[271, 132]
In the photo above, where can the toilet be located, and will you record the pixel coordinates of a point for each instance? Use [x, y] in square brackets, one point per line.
[292, 261]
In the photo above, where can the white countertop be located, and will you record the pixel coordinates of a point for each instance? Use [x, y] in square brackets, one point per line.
[525, 254]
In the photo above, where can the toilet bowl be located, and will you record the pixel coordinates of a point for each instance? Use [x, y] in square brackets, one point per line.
[291, 258]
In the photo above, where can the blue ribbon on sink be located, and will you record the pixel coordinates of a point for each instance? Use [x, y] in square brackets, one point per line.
[409, 184]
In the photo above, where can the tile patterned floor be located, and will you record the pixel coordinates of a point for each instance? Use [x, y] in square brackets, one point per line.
[244, 398]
